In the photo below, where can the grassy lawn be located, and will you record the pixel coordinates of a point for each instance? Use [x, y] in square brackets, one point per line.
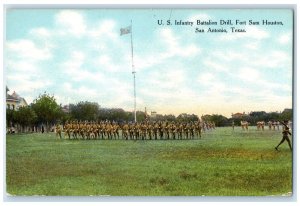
[222, 163]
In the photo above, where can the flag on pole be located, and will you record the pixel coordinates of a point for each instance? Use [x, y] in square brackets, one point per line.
[125, 30]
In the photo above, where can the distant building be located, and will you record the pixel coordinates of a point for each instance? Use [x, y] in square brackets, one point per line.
[66, 109]
[238, 115]
[153, 114]
[287, 110]
[14, 101]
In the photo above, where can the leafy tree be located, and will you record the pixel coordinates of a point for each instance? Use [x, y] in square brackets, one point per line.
[273, 116]
[25, 116]
[10, 117]
[159, 117]
[257, 116]
[287, 114]
[170, 117]
[140, 116]
[184, 117]
[84, 111]
[206, 117]
[65, 117]
[46, 109]
[219, 120]
[114, 114]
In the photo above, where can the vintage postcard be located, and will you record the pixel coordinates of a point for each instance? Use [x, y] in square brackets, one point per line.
[149, 102]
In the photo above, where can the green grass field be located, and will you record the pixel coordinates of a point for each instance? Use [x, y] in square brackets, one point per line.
[222, 163]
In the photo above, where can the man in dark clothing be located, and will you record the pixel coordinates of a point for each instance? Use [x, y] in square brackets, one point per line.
[286, 133]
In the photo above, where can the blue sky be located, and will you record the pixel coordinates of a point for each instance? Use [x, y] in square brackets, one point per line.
[79, 55]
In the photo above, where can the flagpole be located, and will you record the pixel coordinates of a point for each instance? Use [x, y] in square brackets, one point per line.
[133, 73]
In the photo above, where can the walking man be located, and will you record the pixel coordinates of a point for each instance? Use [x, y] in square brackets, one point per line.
[286, 133]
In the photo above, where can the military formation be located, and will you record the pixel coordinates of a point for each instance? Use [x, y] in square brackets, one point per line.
[273, 125]
[148, 130]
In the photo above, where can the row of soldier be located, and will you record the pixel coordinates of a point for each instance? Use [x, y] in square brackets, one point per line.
[133, 131]
[273, 125]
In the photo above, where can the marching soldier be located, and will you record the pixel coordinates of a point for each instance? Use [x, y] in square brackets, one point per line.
[186, 130]
[81, 129]
[166, 130]
[98, 130]
[160, 130]
[198, 128]
[180, 130]
[87, 130]
[75, 129]
[67, 129]
[150, 130]
[136, 130]
[155, 130]
[102, 130]
[131, 131]
[116, 131]
[144, 131]
[94, 131]
[191, 130]
[108, 130]
[125, 131]
[173, 130]
[58, 130]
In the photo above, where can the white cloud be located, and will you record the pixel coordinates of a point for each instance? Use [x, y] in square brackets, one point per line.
[80, 93]
[256, 33]
[71, 22]
[20, 67]
[252, 32]
[120, 93]
[252, 45]
[212, 64]
[23, 83]
[169, 91]
[82, 90]
[202, 17]
[169, 46]
[285, 38]
[146, 61]
[258, 59]
[41, 32]
[23, 65]
[27, 50]
[173, 46]
[74, 68]
[176, 75]
[105, 28]
[206, 78]
[228, 56]
[106, 63]
[249, 74]
[171, 78]
[73, 64]
[273, 59]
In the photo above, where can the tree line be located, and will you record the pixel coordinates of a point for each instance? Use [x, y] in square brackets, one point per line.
[252, 117]
[46, 111]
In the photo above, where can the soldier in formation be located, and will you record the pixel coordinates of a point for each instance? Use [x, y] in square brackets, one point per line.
[154, 130]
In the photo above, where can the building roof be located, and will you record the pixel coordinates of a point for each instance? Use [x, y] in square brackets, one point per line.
[238, 113]
[14, 97]
[23, 100]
